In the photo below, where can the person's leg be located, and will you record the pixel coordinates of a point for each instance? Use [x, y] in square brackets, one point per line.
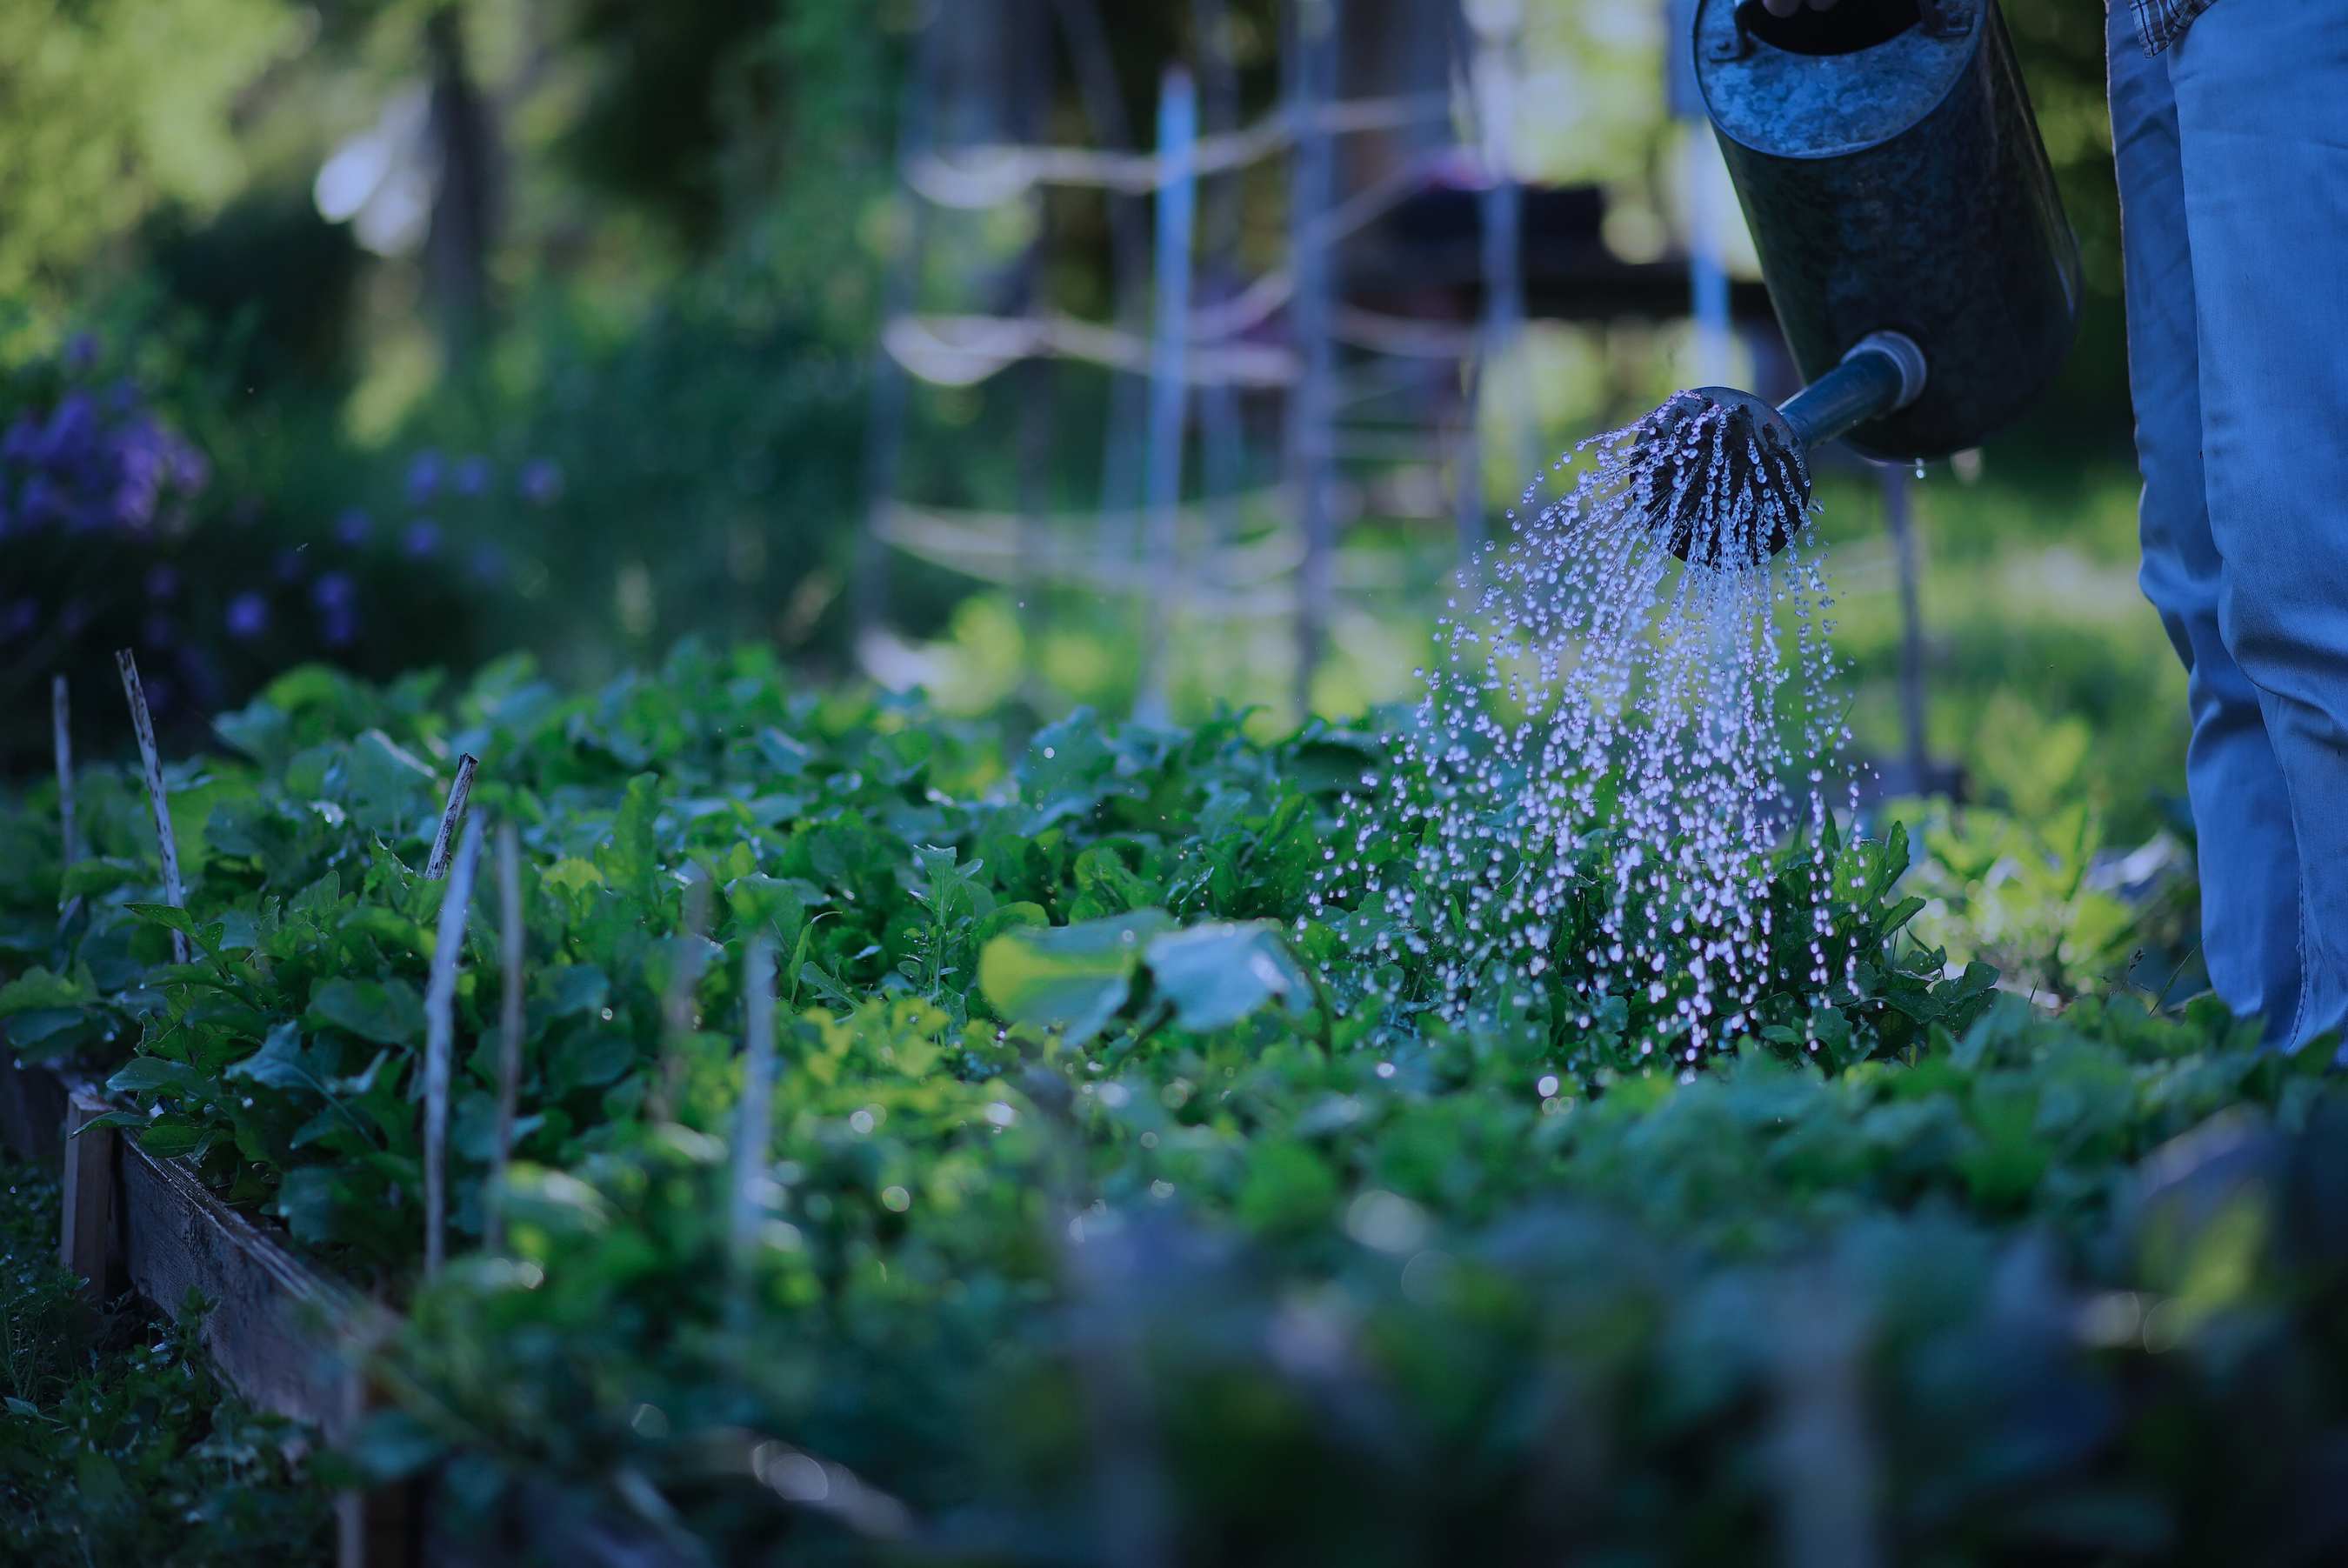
[2248, 854]
[2262, 123]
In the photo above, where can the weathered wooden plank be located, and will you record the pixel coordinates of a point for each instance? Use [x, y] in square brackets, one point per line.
[89, 1206]
[32, 1108]
[278, 1335]
[283, 1336]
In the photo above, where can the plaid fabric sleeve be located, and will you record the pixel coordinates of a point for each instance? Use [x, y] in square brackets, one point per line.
[2161, 23]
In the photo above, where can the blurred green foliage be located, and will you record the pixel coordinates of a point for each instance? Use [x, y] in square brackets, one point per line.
[116, 1443]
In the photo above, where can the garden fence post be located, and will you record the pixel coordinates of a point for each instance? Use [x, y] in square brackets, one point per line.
[1312, 72]
[1169, 389]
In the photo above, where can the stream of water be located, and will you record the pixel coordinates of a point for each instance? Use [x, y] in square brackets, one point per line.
[1616, 742]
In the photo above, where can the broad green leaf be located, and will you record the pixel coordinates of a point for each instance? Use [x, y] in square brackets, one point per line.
[169, 1137]
[1218, 975]
[573, 878]
[37, 988]
[45, 1033]
[164, 915]
[1010, 917]
[552, 1200]
[630, 857]
[259, 730]
[1073, 978]
[97, 1480]
[144, 1075]
[390, 789]
[92, 878]
[305, 1198]
[763, 903]
[278, 1063]
[591, 1059]
[390, 1013]
[569, 989]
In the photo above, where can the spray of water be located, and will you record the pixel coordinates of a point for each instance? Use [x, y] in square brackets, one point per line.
[1604, 770]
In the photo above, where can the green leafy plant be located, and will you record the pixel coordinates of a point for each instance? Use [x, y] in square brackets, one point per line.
[1114, 1145]
[116, 1445]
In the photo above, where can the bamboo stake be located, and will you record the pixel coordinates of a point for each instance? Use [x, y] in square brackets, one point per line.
[439, 1009]
[435, 865]
[752, 1129]
[60, 716]
[142, 725]
[677, 1003]
[68, 827]
[510, 1028]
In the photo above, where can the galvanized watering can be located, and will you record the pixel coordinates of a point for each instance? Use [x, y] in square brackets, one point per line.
[1907, 222]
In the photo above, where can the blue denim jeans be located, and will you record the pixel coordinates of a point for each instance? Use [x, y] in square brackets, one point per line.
[2233, 169]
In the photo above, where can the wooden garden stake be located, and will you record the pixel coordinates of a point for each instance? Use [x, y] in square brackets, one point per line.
[89, 1192]
[752, 1131]
[143, 723]
[436, 864]
[440, 1010]
[60, 716]
[68, 828]
[510, 1028]
[676, 1005]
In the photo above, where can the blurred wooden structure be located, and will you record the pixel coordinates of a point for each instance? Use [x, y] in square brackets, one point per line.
[1345, 377]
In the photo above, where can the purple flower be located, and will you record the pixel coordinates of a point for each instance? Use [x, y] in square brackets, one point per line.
[423, 476]
[337, 597]
[248, 616]
[71, 436]
[92, 462]
[354, 527]
[542, 482]
[472, 476]
[422, 538]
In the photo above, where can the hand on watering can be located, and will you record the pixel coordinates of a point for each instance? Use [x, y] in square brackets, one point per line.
[1788, 7]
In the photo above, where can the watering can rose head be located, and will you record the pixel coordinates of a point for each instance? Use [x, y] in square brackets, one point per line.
[1724, 478]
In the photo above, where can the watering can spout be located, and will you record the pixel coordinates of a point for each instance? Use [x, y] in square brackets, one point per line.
[1883, 374]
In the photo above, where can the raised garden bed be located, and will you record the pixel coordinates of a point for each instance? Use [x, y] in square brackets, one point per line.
[1126, 1199]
